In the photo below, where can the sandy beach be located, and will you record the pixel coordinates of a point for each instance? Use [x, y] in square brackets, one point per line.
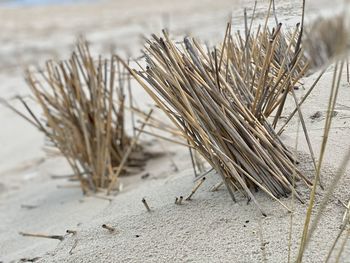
[210, 227]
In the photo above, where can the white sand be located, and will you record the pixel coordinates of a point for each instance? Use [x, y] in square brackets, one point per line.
[210, 228]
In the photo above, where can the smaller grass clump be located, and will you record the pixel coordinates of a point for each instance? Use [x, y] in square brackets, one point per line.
[83, 107]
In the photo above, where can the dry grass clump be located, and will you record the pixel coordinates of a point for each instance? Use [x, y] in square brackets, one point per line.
[221, 100]
[83, 105]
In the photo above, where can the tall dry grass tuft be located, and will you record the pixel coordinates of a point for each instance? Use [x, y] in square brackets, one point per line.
[221, 100]
[327, 41]
[83, 105]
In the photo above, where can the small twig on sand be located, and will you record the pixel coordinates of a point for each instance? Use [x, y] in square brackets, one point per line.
[195, 189]
[71, 232]
[347, 71]
[180, 200]
[109, 228]
[60, 238]
[146, 205]
[216, 187]
[28, 259]
[203, 174]
[73, 247]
